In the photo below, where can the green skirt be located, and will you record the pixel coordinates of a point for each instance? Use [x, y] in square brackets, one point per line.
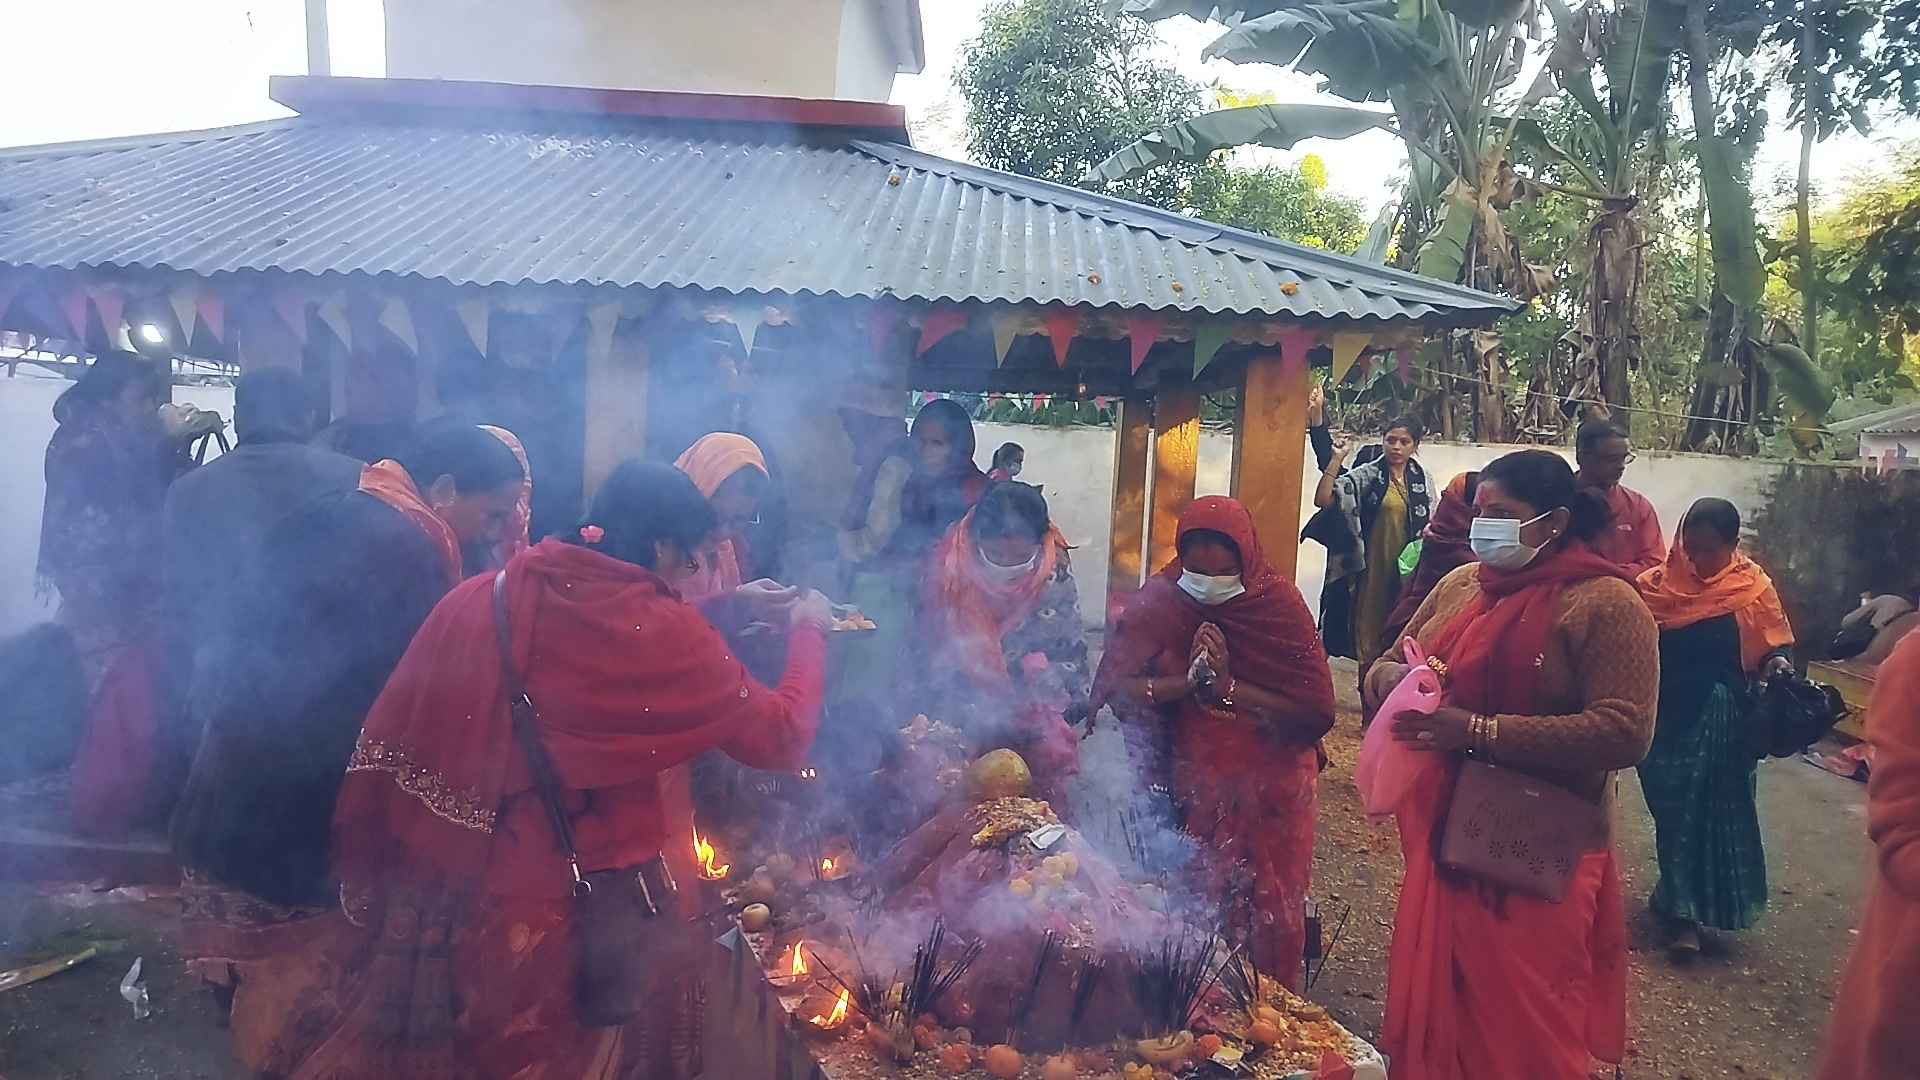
[1699, 784]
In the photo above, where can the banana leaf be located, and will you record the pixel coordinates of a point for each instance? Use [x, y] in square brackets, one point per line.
[1379, 237]
[1361, 48]
[1640, 49]
[1445, 251]
[1800, 381]
[1730, 225]
[1278, 126]
[1201, 10]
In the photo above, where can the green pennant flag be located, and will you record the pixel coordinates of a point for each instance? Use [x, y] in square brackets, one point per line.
[1208, 336]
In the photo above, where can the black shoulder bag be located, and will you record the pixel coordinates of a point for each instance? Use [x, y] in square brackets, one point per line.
[632, 945]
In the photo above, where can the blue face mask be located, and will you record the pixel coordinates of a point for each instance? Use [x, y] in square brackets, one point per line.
[1496, 542]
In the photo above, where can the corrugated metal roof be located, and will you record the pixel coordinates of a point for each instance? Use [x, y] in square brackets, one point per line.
[1899, 420]
[576, 202]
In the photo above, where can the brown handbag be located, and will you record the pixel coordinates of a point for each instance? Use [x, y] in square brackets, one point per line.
[1516, 831]
[634, 949]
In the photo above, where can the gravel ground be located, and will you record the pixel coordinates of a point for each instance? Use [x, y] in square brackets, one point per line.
[1752, 1008]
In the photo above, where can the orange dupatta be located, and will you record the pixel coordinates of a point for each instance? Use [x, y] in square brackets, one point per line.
[1678, 596]
[976, 610]
[389, 482]
[516, 540]
[708, 463]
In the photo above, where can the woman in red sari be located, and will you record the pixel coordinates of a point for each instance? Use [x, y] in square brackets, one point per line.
[462, 961]
[1244, 741]
[1552, 668]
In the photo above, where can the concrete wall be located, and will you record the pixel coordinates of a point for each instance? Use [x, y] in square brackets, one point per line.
[789, 48]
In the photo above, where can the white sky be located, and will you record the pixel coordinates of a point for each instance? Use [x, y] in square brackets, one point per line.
[87, 69]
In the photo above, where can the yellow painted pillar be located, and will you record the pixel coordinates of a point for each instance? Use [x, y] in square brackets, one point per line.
[1269, 455]
[616, 426]
[1129, 535]
[1176, 460]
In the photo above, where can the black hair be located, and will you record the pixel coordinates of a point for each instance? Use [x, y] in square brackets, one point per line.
[1718, 515]
[477, 460]
[1006, 453]
[642, 503]
[105, 379]
[1543, 480]
[1010, 508]
[1408, 424]
[1207, 536]
[1592, 433]
[946, 414]
[272, 404]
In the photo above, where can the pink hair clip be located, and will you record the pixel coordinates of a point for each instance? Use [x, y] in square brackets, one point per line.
[592, 533]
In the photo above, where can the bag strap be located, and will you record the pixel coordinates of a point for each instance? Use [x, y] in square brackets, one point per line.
[545, 781]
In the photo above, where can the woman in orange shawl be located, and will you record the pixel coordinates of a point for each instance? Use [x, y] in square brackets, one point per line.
[1244, 743]
[732, 473]
[1721, 625]
[1550, 669]
[1873, 1033]
[460, 959]
[1000, 634]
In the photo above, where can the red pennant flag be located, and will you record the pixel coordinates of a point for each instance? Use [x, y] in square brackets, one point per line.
[1061, 324]
[1405, 364]
[75, 306]
[1100, 402]
[1295, 342]
[1039, 400]
[926, 397]
[1142, 331]
[293, 311]
[1365, 363]
[940, 322]
[1334, 1067]
[993, 397]
[212, 313]
[108, 303]
[880, 324]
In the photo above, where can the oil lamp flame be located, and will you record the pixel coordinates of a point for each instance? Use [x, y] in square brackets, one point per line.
[827, 869]
[835, 1018]
[799, 967]
[703, 850]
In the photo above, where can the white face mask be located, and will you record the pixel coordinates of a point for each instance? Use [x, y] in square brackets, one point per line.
[1211, 591]
[1007, 573]
[1496, 542]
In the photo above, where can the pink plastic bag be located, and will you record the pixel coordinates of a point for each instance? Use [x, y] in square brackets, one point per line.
[1388, 767]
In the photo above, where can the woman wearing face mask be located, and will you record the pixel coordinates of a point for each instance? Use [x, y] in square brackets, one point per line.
[1551, 667]
[1386, 504]
[446, 856]
[1216, 665]
[1007, 462]
[1000, 634]
[1721, 624]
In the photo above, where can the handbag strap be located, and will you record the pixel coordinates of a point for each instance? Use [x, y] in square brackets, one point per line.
[545, 781]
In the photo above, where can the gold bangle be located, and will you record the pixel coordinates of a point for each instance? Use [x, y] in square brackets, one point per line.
[1151, 700]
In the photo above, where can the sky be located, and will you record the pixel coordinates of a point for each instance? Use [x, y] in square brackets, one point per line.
[88, 69]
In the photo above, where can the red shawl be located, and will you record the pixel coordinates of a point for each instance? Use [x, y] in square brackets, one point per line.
[1444, 547]
[1268, 628]
[629, 681]
[970, 612]
[388, 482]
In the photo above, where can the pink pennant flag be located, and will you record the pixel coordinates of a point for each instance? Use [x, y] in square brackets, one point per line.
[293, 311]
[993, 397]
[880, 325]
[940, 322]
[1039, 400]
[213, 313]
[74, 304]
[1404, 363]
[1100, 402]
[1061, 324]
[1334, 1067]
[1142, 331]
[924, 397]
[1296, 341]
[108, 303]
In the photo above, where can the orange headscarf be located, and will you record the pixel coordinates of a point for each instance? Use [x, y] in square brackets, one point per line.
[389, 482]
[1678, 596]
[972, 611]
[516, 540]
[708, 463]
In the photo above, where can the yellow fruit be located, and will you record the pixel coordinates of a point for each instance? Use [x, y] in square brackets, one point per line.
[1004, 1062]
[999, 774]
[1059, 1067]
[1264, 1032]
[1271, 1015]
[755, 917]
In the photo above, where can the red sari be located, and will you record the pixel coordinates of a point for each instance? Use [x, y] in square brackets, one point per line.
[1242, 792]
[465, 965]
[1502, 987]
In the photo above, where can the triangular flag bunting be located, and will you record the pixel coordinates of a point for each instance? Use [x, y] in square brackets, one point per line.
[213, 313]
[1142, 332]
[9, 288]
[1208, 336]
[1334, 1067]
[108, 303]
[926, 397]
[1366, 365]
[601, 322]
[333, 312]
[1100, 402]
[993, 397]
[74, 304]
[1061, 324]
[399, 322]
[1006, 327]
[474, 314]
[1295, 342]
[880, 325]
[1404, 363]
[292, 308]
[1041, 399]
[181, 301]
[1347, 347]
[940, 322]
[746, 319]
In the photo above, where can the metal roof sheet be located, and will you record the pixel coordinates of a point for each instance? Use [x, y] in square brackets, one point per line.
[579, 202]
[1899, 420]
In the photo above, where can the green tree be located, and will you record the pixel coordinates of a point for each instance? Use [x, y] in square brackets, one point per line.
[1279, 201]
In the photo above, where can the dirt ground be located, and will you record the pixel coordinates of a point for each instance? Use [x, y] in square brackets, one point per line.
[1753, 1007]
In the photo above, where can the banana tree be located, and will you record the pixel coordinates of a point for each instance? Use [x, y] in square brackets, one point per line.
[1446, 69]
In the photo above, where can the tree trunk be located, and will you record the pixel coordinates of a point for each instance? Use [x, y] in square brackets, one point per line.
[1803, 195]
[1614, 277]
[1722, 403]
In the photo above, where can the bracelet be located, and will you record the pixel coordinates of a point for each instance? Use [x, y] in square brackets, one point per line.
[1480, 732]
[1225, 700]
[1151, 700]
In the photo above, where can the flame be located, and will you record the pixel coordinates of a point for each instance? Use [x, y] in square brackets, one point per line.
[704, 851]
[835, 1018]
[826, 867]
[799, 962]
